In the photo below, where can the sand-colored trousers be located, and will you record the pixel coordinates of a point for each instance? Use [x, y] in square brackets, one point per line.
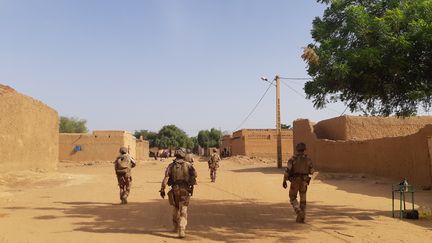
[298, 186]
[124, 182]
[213, 174]
[180, 217]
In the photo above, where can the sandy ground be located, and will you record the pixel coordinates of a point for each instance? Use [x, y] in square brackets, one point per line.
[79, 203]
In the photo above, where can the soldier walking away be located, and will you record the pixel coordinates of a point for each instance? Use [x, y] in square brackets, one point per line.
[181, 176]
[123, 166]
[297, 172]
[213, 164]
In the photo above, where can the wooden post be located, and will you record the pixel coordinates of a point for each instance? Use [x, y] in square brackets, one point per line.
[278, 124]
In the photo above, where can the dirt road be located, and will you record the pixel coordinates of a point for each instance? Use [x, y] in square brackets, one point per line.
[79, 203]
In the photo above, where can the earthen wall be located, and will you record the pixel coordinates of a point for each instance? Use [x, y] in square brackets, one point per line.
[28, 132]
[334, 128]
[393, 157]
[261, 143]
[363, 128]
[98, 146]
[225, 144]
[142, 150]
[238, 143]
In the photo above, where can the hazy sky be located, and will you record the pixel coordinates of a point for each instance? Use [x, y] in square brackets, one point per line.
[142, 64]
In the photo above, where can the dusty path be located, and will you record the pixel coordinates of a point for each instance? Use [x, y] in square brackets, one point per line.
[247, 203]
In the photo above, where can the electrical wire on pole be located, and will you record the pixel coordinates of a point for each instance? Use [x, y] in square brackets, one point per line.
[303, 96]
[255, 107]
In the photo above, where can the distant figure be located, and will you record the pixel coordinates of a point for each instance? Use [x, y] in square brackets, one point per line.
[163, 154]
[213, 164]
[189, 157]
[123, 166]
[181, 176]
[297, 172]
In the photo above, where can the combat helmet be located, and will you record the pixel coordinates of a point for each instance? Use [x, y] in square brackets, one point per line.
[180, 152]
[123, 150]
[301, 147]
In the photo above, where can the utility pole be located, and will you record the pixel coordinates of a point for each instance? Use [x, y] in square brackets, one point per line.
[278, 124]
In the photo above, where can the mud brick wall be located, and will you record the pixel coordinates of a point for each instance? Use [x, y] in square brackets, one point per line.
[28, 132]
[392, 157]
[98, 146]
[261, 143]
[142, 150]
[363, 128]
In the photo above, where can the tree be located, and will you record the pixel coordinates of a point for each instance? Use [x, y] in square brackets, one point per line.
[72, 125]
[172, 137]
[203, 138]
[375, 56]
[147, 135]
[194, 141]
[209, 138]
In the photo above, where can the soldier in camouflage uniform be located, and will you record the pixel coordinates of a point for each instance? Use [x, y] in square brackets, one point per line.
[123, 166]
[297, 172]
[181, 176]
[213, 164]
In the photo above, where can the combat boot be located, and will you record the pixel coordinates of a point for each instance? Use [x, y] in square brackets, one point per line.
[300, 216]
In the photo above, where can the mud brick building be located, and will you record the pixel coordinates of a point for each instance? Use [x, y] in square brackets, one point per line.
[100, 146]
[28, 132]
[257, 143]
[384, 146]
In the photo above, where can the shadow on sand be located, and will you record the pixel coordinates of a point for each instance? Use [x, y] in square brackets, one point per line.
[264, 170]
[222, 220]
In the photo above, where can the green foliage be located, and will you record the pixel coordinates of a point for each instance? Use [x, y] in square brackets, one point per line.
[72, 125]
[172, 137]
[208, 139]
[194, 141]
[147, 135]
[375, 56]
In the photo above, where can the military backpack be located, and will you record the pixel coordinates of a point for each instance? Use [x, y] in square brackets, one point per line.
[182, 173]
[123, 163]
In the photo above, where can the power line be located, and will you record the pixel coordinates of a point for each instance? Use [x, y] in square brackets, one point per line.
[304, 97]
[297, 82]
[294, 78]
[252, 111]
[291, 88]
[288, 86]
[344, 110]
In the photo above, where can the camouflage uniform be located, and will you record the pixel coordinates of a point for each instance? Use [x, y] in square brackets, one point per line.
[123, 166]
[298, 170]
[181, 176]
[213, 165]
